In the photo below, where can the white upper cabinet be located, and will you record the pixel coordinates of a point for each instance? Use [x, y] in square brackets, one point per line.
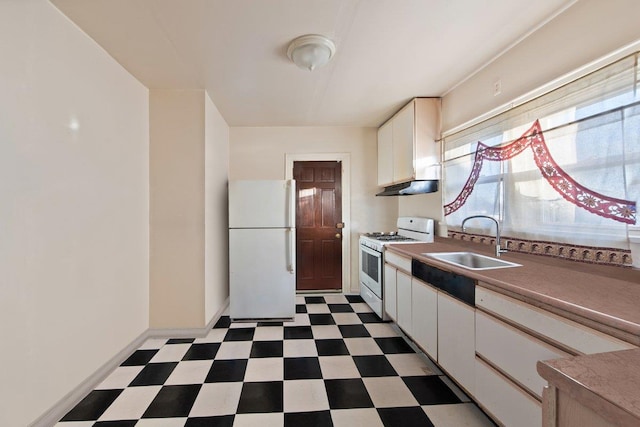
[408, 146]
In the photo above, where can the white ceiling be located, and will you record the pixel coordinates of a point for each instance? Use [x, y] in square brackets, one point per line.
[388, 51]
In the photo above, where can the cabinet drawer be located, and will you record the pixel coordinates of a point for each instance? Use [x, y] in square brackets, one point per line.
[574, 336]
[403, 263]
[513, 351]
[507, 402]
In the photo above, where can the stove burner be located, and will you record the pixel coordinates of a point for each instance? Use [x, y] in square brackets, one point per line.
[388, 237]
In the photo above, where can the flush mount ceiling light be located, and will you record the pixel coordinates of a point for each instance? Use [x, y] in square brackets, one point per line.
[311, 51]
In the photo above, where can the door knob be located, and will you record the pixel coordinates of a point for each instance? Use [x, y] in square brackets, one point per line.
[338, 235]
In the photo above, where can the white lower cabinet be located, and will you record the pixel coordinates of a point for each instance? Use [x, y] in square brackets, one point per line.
[390, 292]
[456, 340]
[504, 400]
[424, 316]
[403, 285]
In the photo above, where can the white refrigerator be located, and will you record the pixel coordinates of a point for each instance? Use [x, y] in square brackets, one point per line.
[262, 279]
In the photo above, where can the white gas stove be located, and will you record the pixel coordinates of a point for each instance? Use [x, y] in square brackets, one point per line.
[410, 230]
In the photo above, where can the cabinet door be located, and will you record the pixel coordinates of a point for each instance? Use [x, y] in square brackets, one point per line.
[424, 316]
[390, 291]
[456, 340]
[427, 135]
[403, 147]
[403, 283]
[385, 154]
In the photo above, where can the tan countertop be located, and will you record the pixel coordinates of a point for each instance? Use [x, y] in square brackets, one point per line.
[608, 383]
[602, 297]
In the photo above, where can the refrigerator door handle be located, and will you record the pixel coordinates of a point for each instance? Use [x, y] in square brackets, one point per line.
[291, 203]
[290, 249]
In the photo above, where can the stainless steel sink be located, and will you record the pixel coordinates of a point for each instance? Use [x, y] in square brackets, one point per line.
[471, 261]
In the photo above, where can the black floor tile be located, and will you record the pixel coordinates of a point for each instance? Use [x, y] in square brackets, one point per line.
[118, 423]
[308, 419]
[269, 323]
[261, 397]
[347, 394]
[154, 374]
[353, 331]
[298, 333]
[393, 345]
[266, 349]
[91, 407]
[430, 390]
[340, 308]
[331, 347]
[223, 322]
[221, 421]
[314, 300]
[240, 334]
[321, 319]
[374, 366]
[301, 308]
[181, 340]
[404, 417]
[227, 371]
[354, 298]
[205, 351]
[369, 318]
[302, 368]
[173, 401]
[139, 358]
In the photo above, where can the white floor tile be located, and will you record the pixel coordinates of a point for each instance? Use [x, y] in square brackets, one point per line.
[361, 307]
[362, 346]
[234, 350]
[347, 319]
[171, 353]
[236, 325]
[258, 420]
[301, 319]
[324, 332]
[366, 417]
[214, 335]
[300, 299]
[459, 415]
[305, 395]
[161, 422]
[217, 399]
[190, 372]
[131, 403]
[318, 308]
[75, 424]
[386, 392]
[264, 369]
[409, 364]
[153, 344]
[338, 367]
[380, 330]
[336, 299]
[300, 348]
[121, 377]
[269, 333]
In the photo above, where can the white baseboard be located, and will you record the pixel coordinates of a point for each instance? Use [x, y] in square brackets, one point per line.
[68, 402]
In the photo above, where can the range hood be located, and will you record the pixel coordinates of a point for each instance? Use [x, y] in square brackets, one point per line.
[411, 187]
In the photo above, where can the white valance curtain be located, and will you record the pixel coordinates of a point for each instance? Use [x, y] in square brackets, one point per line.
[564, 167]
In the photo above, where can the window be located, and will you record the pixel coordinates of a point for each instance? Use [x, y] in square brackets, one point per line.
[577, 180]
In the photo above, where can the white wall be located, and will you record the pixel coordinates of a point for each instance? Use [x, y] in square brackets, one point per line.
[259, 153]
[176, 161]
[216, 266]
[74, 208]
[583, 33]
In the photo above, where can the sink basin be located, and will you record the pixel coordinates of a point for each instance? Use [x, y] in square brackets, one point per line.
[471, 261]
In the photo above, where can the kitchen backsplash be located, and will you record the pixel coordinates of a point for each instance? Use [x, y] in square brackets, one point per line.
[591, 255]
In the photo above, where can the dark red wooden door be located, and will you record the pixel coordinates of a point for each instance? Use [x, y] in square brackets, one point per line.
[318, 225]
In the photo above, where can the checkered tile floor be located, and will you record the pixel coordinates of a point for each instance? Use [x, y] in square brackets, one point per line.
[337, 365]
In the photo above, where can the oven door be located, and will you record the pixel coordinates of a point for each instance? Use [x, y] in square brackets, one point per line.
[371, 269]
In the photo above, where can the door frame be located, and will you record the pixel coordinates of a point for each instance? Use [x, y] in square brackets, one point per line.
[345, 158]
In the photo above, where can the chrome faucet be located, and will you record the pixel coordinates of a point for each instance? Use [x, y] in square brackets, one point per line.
[498, 249]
